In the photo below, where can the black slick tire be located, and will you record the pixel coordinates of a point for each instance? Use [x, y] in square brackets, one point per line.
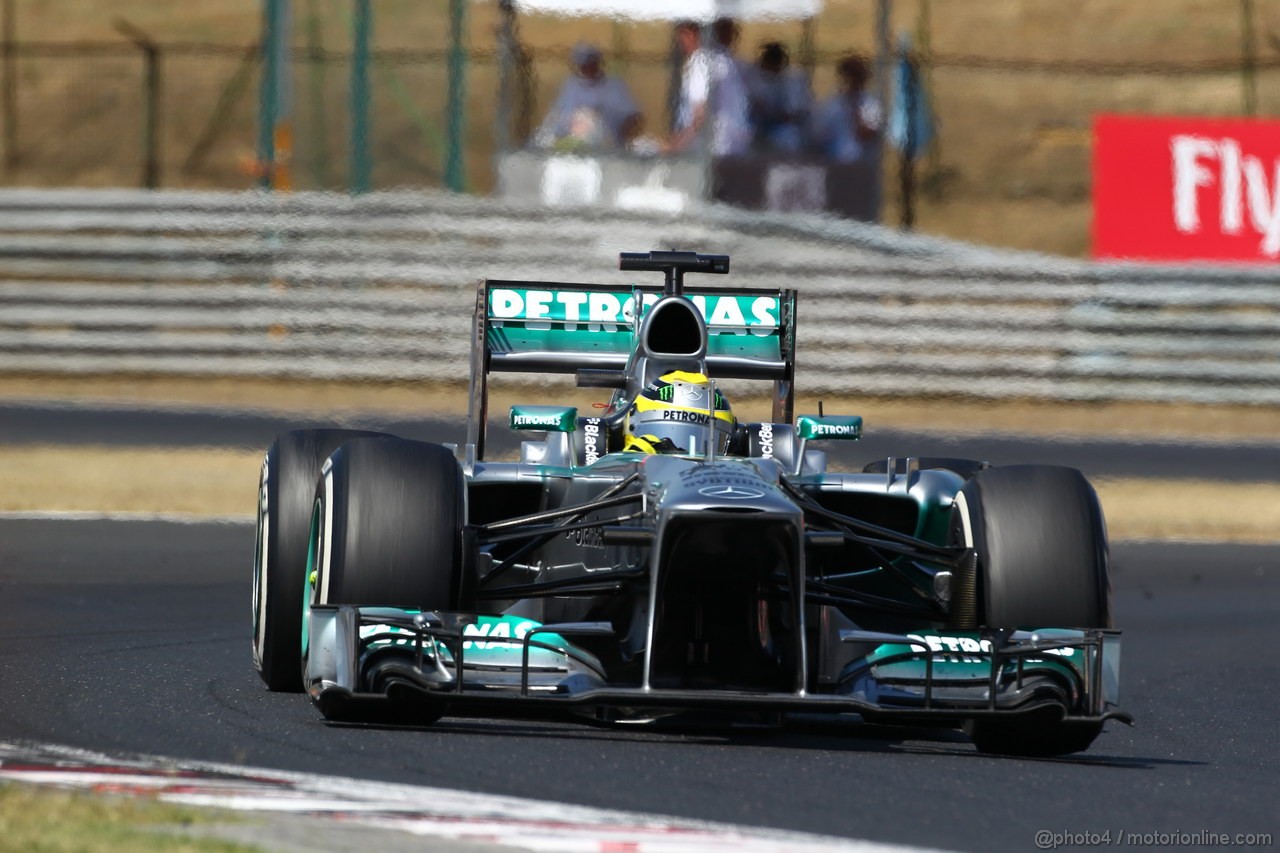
[286, 491]
[966, 468]
[389, 531]
[1033, 737]
[1043, 561]
[393, 533]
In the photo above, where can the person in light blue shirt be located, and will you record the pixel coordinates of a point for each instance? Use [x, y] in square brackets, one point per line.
[847, 126]
[712, 92]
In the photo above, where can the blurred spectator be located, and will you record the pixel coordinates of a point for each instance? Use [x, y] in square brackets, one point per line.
[711, 90]
[847, 126]
[779, 101]
[724, 33]
[593, 109]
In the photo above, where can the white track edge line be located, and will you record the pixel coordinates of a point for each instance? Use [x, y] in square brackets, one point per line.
[388, 800]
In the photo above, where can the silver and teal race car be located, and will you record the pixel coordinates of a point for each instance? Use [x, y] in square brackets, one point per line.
[660, 560]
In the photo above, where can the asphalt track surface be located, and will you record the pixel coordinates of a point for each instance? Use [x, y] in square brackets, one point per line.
[134, 637]
[78, 424]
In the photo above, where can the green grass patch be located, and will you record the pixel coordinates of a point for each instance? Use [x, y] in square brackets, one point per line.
[34, 819]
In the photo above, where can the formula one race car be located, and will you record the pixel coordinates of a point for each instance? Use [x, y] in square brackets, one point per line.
[661, 560]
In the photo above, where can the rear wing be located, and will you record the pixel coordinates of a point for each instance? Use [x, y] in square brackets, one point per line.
[552, 327]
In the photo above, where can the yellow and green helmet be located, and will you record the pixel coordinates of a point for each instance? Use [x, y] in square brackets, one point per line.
[675, 414]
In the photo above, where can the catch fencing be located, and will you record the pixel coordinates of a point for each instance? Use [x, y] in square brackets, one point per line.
[381, 287]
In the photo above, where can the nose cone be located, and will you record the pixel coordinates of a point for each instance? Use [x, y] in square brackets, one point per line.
[727, 486]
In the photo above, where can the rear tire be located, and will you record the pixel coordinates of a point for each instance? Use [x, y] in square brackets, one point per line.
[1043, 562]
[966, 468]
[286, 491]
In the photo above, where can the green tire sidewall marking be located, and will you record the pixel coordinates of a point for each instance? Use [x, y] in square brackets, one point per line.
[308, 588]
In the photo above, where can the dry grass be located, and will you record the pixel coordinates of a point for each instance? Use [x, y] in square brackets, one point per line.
[1011, 167]
[201, 481]
[215, 482]
[1191, 510]
[962, 416]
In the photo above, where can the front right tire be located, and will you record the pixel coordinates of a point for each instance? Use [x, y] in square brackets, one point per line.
[286, 491]
[388, 530]
[393, 513]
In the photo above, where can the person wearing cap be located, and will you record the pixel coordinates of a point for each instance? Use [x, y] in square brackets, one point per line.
[713, 92]
[593, 109]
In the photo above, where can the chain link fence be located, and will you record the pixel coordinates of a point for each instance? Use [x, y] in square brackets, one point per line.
[1009, 163]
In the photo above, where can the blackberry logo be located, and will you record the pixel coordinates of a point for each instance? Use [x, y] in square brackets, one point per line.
[591, 440]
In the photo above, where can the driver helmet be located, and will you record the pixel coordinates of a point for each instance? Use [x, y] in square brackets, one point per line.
[675, 415]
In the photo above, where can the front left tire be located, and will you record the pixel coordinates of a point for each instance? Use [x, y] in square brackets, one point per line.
[1043, 562]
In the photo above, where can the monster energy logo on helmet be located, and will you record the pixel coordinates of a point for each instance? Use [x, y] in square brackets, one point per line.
[684, 389]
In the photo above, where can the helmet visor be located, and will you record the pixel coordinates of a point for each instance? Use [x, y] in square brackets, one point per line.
[690, 437]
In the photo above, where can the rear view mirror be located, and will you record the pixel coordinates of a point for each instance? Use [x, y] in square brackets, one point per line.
[544, 418]
[839, 427]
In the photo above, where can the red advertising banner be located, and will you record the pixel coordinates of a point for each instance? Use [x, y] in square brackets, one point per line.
[1184, 189]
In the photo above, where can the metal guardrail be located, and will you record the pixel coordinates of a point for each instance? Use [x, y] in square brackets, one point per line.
[316, 285]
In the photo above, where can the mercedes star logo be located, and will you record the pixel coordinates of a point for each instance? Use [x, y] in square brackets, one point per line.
[733, 493]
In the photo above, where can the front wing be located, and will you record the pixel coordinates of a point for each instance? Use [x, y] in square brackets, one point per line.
[362, 659]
